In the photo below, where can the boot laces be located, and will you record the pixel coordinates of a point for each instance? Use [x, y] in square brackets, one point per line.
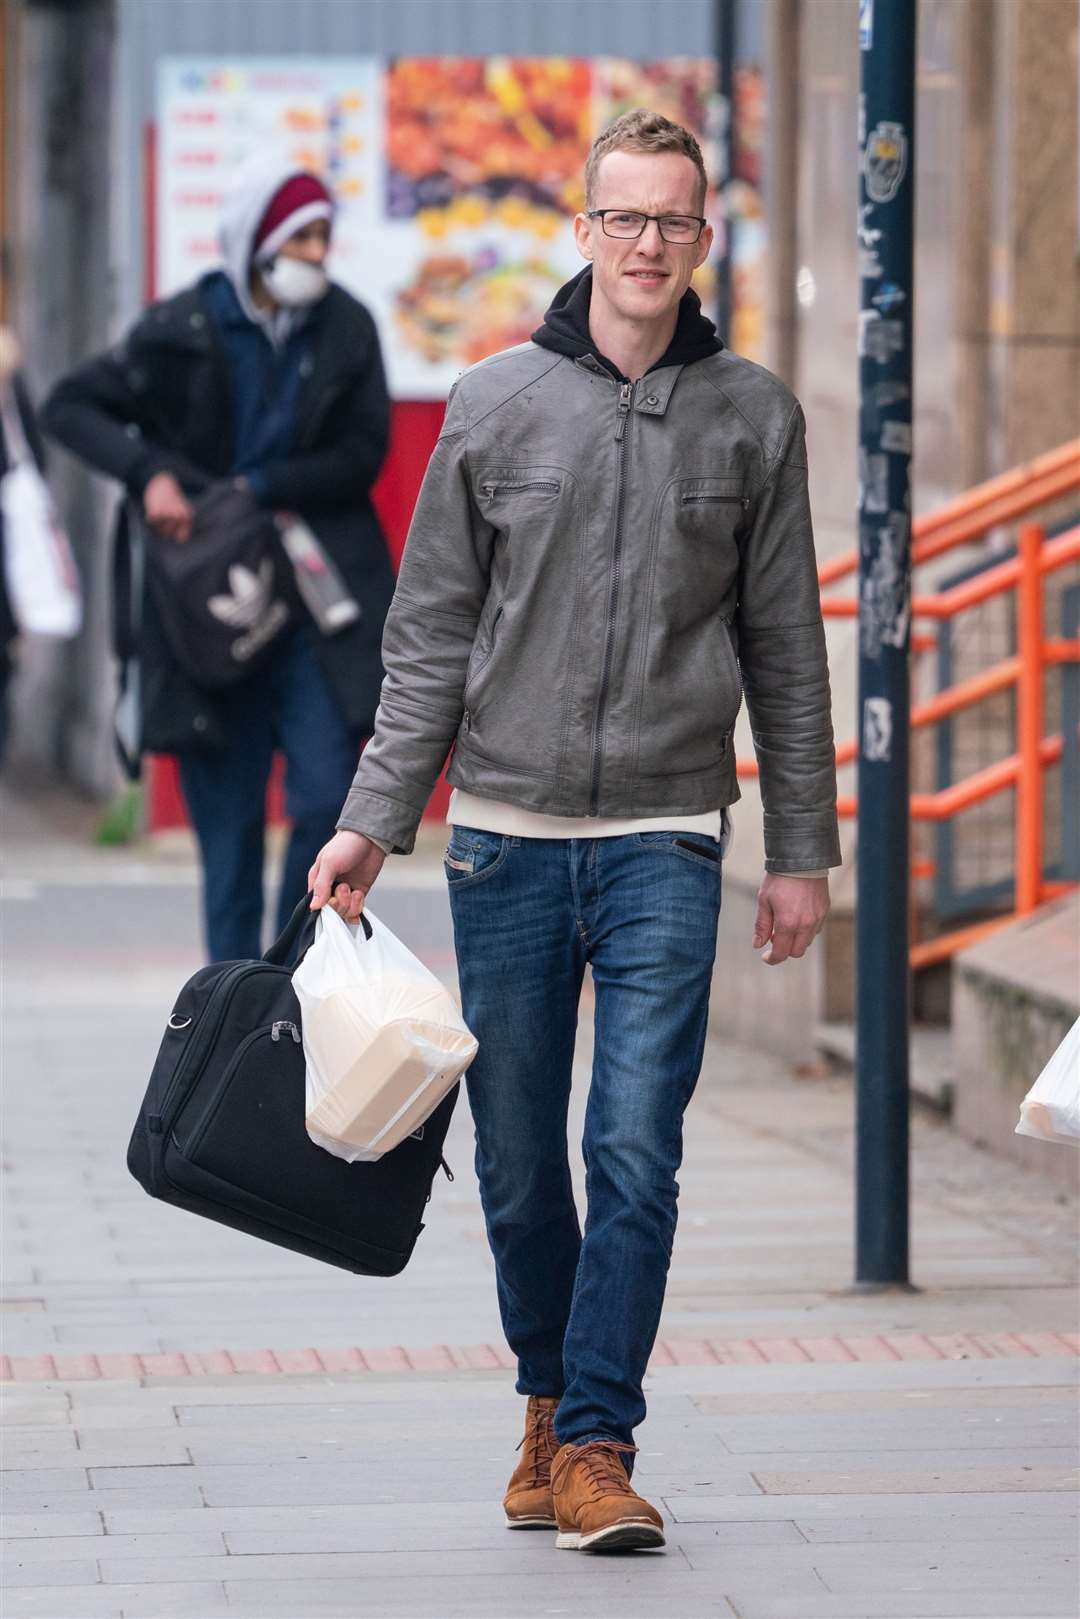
[599, 1459]
[539, 1436]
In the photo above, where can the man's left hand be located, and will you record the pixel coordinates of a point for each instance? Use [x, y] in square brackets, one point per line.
[791, 911]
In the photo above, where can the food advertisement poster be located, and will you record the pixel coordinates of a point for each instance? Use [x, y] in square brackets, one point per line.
[457, 180]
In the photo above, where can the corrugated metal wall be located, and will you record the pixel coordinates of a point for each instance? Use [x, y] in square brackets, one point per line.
[152, 29]
[636, 28]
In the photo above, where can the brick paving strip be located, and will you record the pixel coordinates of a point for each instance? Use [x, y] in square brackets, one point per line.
[890, 1346]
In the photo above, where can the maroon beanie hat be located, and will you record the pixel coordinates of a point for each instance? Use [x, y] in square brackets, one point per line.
[296, 203]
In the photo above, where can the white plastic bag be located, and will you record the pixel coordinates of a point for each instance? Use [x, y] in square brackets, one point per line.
[42, 584]
[1051, 1108]
[383, 1039]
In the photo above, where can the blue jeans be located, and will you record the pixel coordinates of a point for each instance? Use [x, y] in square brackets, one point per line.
[581, 1312]
[290, 705]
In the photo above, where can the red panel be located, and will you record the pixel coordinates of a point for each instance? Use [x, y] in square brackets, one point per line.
[414, 428]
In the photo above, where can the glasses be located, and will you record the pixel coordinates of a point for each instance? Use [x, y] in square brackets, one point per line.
[684, 228]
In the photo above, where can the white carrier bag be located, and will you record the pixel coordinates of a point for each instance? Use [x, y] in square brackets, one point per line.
[1051, 1108]
[383, 1039]
[42, 584]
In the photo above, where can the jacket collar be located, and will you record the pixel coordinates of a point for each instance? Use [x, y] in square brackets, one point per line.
[566, 331]
[655, 387]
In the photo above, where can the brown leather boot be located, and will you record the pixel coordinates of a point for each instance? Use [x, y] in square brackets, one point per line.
[596, 1509]
[527, 1502]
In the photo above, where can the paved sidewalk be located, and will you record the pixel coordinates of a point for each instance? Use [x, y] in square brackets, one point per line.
[202, 1425]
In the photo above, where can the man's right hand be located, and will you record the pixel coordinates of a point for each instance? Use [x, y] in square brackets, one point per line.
[343, 873]
[166, 507]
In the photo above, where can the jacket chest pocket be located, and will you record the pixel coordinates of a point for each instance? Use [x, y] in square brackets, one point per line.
[515, 497]
[709, 508]
[700, 524]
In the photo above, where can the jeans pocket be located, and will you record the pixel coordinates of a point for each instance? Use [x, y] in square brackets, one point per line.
[472, 855]
[699, 848]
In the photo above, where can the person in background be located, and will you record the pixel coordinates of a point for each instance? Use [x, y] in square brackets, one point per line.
[267, 372]
[613, 543]
[17, 401]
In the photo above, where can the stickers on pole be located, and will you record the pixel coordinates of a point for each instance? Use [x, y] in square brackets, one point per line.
[869, 237]
[866, 24]
[885, 595]
[879, 338]
[888, 296]
[877, 730]
[885, 160]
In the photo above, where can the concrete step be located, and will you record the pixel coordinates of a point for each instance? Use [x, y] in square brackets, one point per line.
[931, 1075]
[1015, 996]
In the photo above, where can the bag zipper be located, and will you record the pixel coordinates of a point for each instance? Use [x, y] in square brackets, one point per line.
[626, 399]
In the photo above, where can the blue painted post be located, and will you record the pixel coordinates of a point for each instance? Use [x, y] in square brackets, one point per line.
[886, 210]
[724, 151]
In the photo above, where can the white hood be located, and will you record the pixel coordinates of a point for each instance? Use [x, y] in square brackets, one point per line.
[246, 201]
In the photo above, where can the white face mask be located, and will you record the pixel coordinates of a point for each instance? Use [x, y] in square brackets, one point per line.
[294, 283]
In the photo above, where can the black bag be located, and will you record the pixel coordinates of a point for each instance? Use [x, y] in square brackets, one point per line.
[181, 715]
[221, 1128]
[225, 596]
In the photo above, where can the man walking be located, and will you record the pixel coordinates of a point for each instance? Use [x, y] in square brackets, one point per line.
[611, 544]
[267, 374]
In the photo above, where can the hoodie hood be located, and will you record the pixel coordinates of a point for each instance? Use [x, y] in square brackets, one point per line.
[566, 327]
[246, 201]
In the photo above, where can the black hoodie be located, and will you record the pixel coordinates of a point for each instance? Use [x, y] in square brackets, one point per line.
[566, 328]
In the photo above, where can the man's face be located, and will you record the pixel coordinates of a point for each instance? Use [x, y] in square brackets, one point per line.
[643, 278]
[310, 244]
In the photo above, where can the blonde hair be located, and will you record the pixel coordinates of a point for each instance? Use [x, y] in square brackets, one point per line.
[643, 131]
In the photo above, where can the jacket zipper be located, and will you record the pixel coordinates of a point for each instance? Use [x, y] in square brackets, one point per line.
[705, 499]
[466, 715]
[549, 485]
[626, 397]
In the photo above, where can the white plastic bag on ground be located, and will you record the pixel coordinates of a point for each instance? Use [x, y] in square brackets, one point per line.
[383, 1039]
[1051, 1108]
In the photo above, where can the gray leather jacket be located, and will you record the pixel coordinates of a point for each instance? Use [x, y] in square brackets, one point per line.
[595, 574]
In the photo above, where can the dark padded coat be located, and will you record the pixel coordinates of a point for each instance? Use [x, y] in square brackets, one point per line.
[159, 402]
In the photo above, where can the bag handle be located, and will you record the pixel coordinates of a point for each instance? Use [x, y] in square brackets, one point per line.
[300, 921]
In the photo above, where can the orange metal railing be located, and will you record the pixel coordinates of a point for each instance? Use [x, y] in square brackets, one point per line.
[970, 517]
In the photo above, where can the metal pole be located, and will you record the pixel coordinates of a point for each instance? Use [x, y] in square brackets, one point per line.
[886, 210]
[1029, 723]
[724, 145]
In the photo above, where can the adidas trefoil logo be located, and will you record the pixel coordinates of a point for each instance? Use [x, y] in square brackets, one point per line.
[250, 595]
